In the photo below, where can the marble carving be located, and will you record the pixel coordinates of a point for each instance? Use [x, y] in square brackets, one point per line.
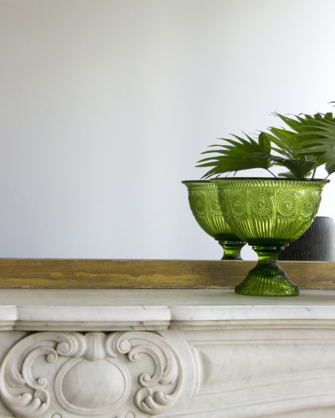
[173, 353]
[71, 375]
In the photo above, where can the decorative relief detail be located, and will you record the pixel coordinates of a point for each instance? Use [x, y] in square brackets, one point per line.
[238, 203]
[68, 374]
[223, 199]
[310, 203]
[287, 204]
[261, 204]
[198, 203]
[214, 203]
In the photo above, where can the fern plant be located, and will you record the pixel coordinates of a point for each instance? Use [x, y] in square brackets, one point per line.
[308, 144]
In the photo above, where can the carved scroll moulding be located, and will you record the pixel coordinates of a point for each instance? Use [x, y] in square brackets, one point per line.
[68, 374]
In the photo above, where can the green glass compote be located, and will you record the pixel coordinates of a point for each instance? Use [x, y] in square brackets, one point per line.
[204, 203]
[268, 214]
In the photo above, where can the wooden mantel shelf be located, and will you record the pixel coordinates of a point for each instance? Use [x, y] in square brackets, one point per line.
[144, 274]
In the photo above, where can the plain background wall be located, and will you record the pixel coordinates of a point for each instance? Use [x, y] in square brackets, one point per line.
[107, 105]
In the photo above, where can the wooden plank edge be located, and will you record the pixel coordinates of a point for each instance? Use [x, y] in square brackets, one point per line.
[150, 274]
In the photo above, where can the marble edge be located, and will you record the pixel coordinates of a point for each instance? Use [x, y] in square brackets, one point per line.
[250, 312]
[43, 318]
[84, 313]
[153, 317]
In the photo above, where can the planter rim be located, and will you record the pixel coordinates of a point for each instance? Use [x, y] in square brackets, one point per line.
[195, 181]
[268, 178]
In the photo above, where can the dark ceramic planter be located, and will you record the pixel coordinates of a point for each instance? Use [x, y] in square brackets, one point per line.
[316, 244]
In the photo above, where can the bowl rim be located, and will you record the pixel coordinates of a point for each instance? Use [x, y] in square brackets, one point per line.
[195, 181]
[269, 178]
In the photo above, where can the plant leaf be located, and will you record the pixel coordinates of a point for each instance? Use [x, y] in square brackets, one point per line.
[297, 168]
[330, 167]
[239, 154]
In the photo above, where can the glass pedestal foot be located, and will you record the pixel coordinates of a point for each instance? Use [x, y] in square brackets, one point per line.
[267, 278]
[232, 249]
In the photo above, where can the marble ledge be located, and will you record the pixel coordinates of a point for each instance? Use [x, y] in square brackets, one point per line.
[157, 309]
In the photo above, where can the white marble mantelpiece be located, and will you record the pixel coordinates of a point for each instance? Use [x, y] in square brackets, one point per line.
[153, 309]
[210, 353]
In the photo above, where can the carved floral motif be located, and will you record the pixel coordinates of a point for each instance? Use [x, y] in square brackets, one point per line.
[69, 374]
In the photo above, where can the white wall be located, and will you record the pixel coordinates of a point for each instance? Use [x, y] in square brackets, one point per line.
[107, 105]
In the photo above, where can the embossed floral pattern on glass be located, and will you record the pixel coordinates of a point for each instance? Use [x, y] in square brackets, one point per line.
[268, 214]
[204, 203]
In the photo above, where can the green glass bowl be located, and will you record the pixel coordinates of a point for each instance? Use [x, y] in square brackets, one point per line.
[268, 214]
[204, 203]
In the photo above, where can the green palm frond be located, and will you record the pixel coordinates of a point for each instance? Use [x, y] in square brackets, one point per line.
[303, 130]
[307, 145]
[307, 142]
[297, 168]
[321, 144]
[239, 155]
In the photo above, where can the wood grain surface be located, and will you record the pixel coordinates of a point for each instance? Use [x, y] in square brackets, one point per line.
[92, 273]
